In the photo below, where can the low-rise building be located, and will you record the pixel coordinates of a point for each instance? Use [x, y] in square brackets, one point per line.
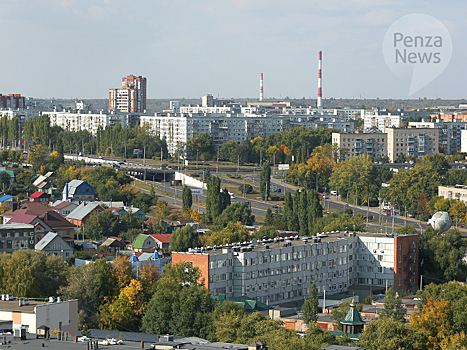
[39, 197]
[83, 212]
[282, 270]
[56, 315]
[52, 243]
[16, 236]
[457, 192]
[78, 191]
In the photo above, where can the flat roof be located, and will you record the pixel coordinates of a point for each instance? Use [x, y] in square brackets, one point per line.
[278, 242]
[13, 305]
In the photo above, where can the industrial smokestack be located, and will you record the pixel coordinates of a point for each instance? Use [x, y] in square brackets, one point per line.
[319, 102]
[261, 86]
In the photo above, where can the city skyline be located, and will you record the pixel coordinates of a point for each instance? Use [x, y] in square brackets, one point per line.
[80, 49]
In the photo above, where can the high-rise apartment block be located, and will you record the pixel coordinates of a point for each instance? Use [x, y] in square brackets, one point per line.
[131, 98]
[13, 101]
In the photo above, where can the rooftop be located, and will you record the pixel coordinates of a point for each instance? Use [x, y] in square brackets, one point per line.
[279, 242]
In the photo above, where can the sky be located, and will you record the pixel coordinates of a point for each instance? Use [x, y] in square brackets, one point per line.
[189, 48]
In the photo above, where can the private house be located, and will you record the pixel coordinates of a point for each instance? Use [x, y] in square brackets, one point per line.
[30, 208]
[10, 173]
[6, 200]
[14, 237]
[114, 244]
[64, 207]
[60, 225]
[78, 191]
[83, 212]
[32, 314]
[40, 227]
[39, 197]
[138, 212]
[162, 241]
[144, 244]
[52, 243]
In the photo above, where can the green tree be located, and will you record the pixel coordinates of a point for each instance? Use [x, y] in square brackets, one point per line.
[265, 181]
[184, 239]
[234, 232]
[269, 219]
[389, 334]
[214, 200]
[303, 213]
[180, 304]
[393, 306]
[238, 211]
[288, 210]
[187, 200]
[310, 307]
[104, 224]
[4, 180]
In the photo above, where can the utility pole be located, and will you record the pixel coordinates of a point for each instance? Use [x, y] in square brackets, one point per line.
[238, 162]
[217, 163]
[197, 159]
[144, 154]
[161, 162]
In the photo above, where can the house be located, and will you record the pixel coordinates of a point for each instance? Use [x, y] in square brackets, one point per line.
[64, 207]
[78, 191]
[162, 241]
[30, 208]
[114, 244]
[52, 243]
[40, 227]
[144, 243]
[83, 212]
[138, 212]
[16, 236]
[32, 314]
[10, 173]
[39, 197]
[60, 225]
[6, 200]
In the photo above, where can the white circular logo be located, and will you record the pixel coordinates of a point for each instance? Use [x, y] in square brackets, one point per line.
[418, 48]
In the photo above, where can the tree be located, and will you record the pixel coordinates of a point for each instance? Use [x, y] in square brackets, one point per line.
[435, 318]
[37, 157]
[4, 180]
[214, 200]
[184, 239]
[269, 219]
[234, 232]
[288, 210]
[310, 307]
[393, 306]
[187, 200]
[121, 274]
[389, 334]
[104, 224]
[265, 181]
[303, 213]
[180, 304]
[238, 211]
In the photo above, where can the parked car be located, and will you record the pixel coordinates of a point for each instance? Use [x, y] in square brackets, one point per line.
[278, 190]
[334, 193]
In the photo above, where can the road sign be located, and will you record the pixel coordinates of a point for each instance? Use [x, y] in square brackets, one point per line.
[283, 166]
[389, 213]
[196, 191]
[395, 212]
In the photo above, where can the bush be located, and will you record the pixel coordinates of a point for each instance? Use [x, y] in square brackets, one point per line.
[248, 188]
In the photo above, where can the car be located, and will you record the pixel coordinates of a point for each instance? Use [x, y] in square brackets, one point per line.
[275, 206]
[278, 190]
[334, 193]
[325, 195]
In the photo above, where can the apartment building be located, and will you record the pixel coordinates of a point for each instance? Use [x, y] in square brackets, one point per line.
[458, 192]
[374, 120]
[131, 98]
[352, 144]
[178, 128]
[281, 270]
[80, 120]
[416, 142]
[13, 101]
[450, 133]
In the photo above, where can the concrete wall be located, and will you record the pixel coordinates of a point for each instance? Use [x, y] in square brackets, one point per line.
[189, 181]
[51, 315]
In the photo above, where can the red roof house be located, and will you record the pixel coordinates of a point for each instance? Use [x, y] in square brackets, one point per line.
[39, 197]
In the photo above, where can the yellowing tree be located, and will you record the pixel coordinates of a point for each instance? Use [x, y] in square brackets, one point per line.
[435, 317]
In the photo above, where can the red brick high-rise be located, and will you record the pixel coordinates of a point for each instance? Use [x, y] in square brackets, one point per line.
[131, 97]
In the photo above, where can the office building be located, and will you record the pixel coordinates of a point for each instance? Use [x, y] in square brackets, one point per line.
[131, 98]
[16, 236]
[282, 270]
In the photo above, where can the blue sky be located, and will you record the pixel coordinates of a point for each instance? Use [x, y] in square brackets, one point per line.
[187, 48]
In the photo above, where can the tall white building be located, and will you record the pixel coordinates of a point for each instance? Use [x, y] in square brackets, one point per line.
[450, 133]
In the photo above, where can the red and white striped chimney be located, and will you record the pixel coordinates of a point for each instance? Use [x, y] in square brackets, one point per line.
[261, 86]
[319, 102]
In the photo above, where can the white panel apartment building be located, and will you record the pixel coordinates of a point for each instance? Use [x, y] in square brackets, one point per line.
[178, 128]
[75, 121]
[373, 120]
[283, 270]
[375, 144]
